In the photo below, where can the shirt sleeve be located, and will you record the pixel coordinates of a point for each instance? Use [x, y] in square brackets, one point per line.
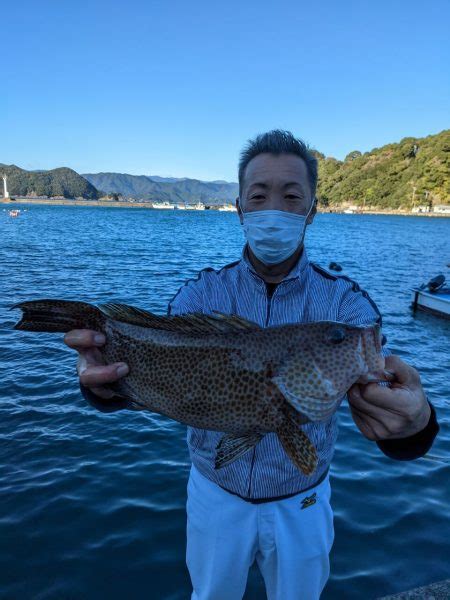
[358, 308]
[189, 297]
[414, 446]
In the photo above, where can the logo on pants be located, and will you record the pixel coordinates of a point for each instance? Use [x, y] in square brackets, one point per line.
[309, 501]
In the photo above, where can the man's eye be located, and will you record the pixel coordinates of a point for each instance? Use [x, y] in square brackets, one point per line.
[293, 197]
[257, 197]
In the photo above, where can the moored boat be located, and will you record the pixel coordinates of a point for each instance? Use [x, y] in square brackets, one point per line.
[433, 297]
[164, 204]
[198, 206]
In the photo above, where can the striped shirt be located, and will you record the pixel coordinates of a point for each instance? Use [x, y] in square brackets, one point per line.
[308, 293]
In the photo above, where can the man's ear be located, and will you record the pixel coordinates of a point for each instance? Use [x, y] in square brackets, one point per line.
[239, 210]
[313, 212]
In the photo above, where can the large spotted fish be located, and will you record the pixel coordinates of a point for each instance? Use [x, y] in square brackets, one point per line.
[224, 373]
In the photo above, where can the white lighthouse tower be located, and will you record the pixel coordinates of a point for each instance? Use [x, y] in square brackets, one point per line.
[5, 187]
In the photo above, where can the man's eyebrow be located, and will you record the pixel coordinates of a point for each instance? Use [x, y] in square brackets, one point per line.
[258, 184]
[261, 184]
[292, 183]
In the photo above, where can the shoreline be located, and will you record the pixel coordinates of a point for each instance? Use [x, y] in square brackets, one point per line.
[148, 205]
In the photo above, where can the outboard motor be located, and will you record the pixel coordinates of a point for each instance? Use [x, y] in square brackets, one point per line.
[334, 266]
[433, 286]
[436, 283]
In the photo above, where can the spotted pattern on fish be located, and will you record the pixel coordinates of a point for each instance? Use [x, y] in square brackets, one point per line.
[222, 373]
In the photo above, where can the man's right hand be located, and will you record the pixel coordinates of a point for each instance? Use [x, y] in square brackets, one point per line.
[93, 373]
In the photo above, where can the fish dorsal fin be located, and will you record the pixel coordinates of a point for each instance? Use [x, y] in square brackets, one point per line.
[235, 321]
[193, 324]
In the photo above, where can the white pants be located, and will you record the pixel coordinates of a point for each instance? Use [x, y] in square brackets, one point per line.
[225, 534]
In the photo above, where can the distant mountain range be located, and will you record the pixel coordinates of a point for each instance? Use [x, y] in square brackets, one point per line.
[146, 187]
[411, 172]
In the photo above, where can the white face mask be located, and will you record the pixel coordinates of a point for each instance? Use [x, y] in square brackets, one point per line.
[274, 235]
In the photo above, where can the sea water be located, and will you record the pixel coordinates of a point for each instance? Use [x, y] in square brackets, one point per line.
[92, 505]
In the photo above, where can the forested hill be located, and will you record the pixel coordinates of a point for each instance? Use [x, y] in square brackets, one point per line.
[413, 171]
[164, 188]
[57, 182]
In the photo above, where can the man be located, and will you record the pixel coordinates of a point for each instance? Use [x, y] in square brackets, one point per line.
[260, 506]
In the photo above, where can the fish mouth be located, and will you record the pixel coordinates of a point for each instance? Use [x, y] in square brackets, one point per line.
[372, 358]
[375, 377]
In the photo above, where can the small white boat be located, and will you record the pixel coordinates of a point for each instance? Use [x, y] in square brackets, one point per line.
[180, 206]
[164, 205]
[198, 206]
[227, 208]
[433, 297]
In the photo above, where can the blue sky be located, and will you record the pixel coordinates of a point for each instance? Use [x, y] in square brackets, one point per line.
[176, 88]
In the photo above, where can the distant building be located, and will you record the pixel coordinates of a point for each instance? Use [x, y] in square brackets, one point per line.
[441, 208]
[421, 209]
[5, 187]
[350, 208]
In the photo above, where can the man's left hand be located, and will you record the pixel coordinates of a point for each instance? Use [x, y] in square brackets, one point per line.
[398, 411]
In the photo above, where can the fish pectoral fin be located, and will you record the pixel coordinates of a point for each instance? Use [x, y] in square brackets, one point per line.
[232, 446]
[298, 447]
[307, 390]
[193, 324]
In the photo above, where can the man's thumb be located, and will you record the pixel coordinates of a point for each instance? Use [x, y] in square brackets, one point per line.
[402, 372]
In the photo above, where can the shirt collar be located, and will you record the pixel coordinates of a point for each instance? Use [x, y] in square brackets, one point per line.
[296, 272]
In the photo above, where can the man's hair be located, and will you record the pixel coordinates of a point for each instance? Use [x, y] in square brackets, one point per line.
[278, 141]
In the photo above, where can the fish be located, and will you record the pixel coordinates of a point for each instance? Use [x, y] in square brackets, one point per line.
[224, 373]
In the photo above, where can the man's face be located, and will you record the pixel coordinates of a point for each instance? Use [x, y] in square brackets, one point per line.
[276, 182]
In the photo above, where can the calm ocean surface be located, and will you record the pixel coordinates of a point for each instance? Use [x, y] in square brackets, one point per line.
[92, 505]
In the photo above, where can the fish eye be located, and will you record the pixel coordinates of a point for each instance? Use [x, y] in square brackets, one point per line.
[336, 335]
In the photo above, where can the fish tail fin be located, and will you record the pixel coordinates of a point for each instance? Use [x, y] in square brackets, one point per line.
[298, 446]
[58, 316]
